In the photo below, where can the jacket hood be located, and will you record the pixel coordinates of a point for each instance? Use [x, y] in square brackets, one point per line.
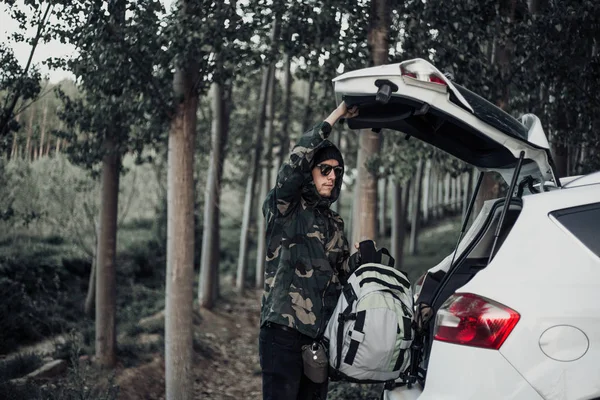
[309, 190]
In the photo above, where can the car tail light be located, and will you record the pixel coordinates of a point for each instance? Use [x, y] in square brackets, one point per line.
[472, 320]
[436, 79]
[423, 74]
[405, 72]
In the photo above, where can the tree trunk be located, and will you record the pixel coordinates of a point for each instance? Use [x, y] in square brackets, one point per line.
[401, 195]
[366, 223]
[416, 210]
[426, 191]
[560, 150]
[287, 108]
[490, 189]
[106, 305]
[383, 206]
[440, 195]
[43, 132]
[467, 193]
[90, 299]
[455, 194]
[370, 142]
[250, 187]
[180, 239]
[58, 143]
[307, 119]
[447, 198]
[29, 135]
[207, 268]
[265, 184]
[48, 145]
[435, 194]
[216, 251]
[13, 149]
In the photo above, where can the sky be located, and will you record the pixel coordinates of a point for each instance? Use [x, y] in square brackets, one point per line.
[43, 51]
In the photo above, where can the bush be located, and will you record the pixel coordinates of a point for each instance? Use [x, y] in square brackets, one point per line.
[24, 318]
[143, 260]
[139, 301]
[39, 295]
[19, 366]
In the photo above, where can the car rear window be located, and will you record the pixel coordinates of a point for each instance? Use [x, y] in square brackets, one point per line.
[584, 223]
[492, 115]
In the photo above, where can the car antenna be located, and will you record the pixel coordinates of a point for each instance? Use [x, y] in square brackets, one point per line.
[509, 194]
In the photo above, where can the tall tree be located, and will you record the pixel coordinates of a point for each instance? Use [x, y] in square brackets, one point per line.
[249, 203]
[399, 211]
[284, 141]
[370, 141]
[101, 127]
[180, 237]
[192, 64]
[225, 58]
[415, 218]
[43, 131]
[209, 262]
[265, 184]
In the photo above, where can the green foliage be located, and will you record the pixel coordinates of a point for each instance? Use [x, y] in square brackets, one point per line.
[20, 84]
[35, 304]
[521, 59]
[121, 98]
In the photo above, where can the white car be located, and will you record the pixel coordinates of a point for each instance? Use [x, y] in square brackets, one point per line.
[514, 311]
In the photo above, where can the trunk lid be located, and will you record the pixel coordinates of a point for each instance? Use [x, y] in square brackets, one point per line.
[415, 98]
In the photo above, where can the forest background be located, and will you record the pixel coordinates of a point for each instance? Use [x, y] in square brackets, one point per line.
[130, 192]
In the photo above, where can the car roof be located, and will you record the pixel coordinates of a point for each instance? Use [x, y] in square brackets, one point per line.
[590, 179]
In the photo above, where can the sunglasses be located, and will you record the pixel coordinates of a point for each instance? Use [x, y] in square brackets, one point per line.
[326, 170]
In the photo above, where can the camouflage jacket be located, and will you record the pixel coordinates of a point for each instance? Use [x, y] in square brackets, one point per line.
[307, 252]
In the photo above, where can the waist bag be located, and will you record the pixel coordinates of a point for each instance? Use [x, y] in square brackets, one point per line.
[370, 333]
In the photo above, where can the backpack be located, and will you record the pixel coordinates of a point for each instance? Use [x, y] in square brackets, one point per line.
[370, 332]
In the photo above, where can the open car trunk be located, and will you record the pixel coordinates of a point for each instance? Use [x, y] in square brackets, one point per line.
[471, 256]
[415, 98]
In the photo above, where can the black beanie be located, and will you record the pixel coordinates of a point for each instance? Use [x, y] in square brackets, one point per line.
[328, 153]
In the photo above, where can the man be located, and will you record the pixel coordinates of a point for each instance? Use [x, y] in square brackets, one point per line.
[307, 255]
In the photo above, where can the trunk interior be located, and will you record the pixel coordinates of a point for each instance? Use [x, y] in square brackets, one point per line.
[439, 286]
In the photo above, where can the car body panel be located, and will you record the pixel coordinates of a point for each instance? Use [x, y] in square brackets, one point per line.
[551, 279]
[461, 373]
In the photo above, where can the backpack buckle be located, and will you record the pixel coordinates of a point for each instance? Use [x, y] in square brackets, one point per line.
[343, 318]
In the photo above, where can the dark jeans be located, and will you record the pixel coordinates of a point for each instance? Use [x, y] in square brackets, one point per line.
[282, 368]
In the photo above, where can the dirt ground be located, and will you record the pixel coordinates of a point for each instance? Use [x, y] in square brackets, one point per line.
[226, 362]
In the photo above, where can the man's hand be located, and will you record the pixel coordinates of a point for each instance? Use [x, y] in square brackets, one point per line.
[341, 111]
